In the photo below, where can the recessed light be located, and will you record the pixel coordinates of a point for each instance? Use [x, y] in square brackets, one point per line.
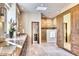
[41, 8]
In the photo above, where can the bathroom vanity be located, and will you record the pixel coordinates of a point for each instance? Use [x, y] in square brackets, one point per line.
[14, 46]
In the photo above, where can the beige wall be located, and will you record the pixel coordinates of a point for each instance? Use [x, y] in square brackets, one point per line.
[27, 19]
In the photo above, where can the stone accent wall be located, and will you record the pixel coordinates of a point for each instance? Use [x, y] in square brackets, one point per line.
[74, 29]
[60, 31]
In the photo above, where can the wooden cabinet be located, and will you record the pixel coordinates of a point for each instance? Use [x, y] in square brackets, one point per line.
[43, 23]
[48, 23]
[43, 35]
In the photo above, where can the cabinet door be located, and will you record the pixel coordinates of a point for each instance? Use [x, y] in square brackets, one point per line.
[43, 35]
[44, 23]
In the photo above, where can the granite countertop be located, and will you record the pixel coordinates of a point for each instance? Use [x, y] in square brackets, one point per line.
[18, 41]
[12, 44]
[7, 50]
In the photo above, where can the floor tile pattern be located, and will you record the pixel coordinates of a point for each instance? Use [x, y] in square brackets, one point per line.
[46, 49]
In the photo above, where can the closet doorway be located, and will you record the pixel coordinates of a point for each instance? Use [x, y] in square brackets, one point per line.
[35, 32]
[67, 31]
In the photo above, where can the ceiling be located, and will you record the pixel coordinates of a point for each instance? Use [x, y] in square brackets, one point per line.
[52, 8]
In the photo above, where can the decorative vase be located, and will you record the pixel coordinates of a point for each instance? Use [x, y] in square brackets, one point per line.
[11, 34]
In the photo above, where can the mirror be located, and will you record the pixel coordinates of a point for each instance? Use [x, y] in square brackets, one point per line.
[67, 31]
[35, 32]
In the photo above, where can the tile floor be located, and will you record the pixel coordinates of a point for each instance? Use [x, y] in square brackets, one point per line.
[46, 49]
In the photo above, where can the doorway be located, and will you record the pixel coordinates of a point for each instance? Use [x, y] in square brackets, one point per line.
[35, 32]
[67, 31]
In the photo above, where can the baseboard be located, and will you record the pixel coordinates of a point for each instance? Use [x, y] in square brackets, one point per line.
[70, 52]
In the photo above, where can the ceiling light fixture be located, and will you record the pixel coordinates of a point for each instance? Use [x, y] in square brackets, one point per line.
[42, 7]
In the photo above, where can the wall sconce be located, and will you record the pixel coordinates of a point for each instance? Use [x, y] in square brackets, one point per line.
[1, 14]
[2, 9]
[0, 24]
